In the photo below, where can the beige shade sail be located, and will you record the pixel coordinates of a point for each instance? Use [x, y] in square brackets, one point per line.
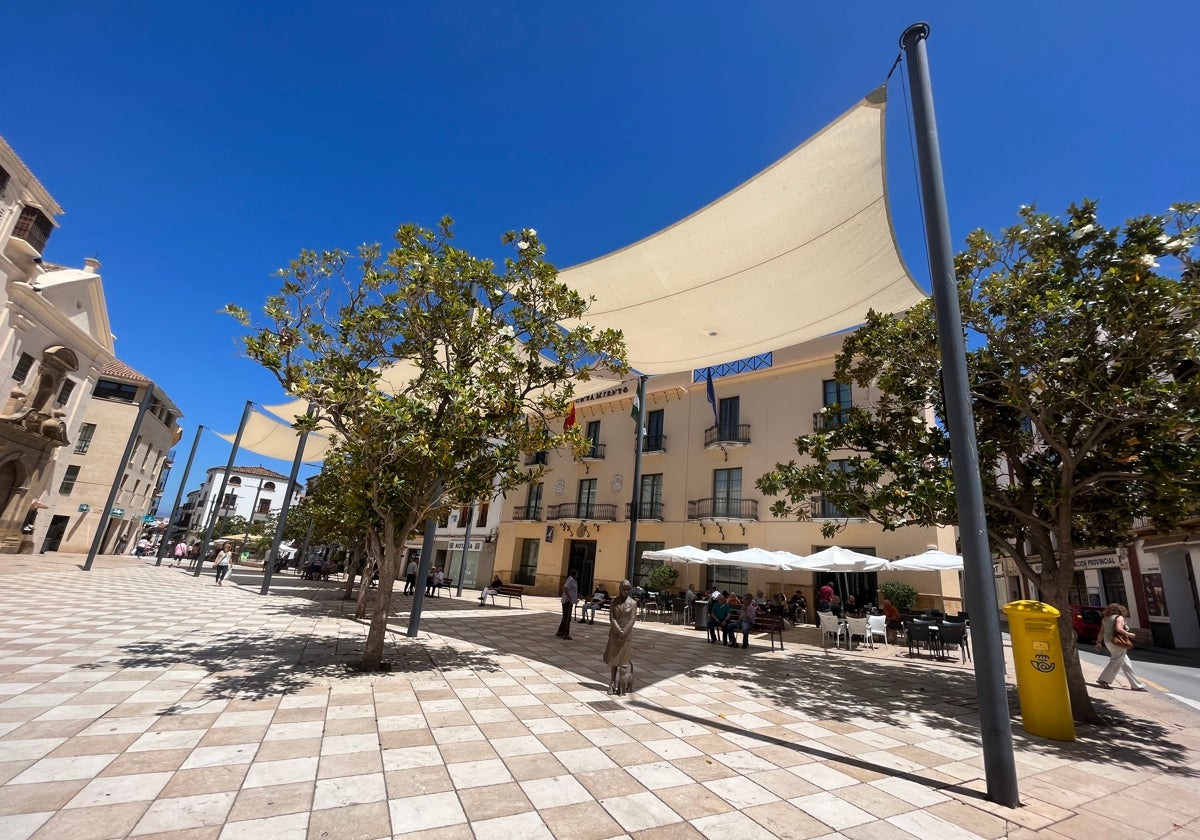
[264, 435]
[801, 250]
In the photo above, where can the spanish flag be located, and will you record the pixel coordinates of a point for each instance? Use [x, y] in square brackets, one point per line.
[570, 421]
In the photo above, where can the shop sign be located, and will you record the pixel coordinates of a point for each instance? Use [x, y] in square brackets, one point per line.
[474, 545]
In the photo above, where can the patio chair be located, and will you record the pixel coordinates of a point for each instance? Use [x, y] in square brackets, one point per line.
[831, 626]
[877, 626]
[858, 627]
[956, 635]
[918, 633]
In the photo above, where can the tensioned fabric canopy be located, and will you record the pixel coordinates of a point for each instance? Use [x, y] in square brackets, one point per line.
[264, 435]
[801, 250]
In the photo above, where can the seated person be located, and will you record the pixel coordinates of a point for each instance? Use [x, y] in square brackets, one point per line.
[759, 598]
[851, 605]
[718, 614]
[797, 608]
[778, 606]
[892, 614]
[490, 590]
[835, 606]
[599, 598]
[733, 600]
[439, 580]
[746, 621]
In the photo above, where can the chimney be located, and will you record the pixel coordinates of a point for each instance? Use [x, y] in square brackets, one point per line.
[91, 265]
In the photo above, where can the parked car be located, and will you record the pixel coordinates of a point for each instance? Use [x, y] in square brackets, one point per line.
[1087, 622]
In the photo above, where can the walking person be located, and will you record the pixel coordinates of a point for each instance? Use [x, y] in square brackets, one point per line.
[570, 594]
[410, 577]
[222, 563]
[622, 615]
[1118, 640]
[181, 552]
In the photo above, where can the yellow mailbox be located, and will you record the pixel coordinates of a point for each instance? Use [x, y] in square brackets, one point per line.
[1041, 677]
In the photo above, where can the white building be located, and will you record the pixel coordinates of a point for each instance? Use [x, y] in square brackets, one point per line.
[253, 493]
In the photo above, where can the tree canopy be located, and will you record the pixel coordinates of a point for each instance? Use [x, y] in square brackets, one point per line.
[434, 371]
[1086, 346]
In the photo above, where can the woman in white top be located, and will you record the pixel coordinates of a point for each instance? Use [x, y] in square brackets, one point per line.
[1113, 634]
[223, 562]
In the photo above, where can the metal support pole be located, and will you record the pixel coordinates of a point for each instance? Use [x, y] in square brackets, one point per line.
[178, 496]
[462, 564]
[250, 521]
[635, 508]
[216, 514]
[106, 514]
[269, 562]
[414, 617]
[996, 729]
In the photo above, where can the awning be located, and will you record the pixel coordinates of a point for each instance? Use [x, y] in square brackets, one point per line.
[264, 435]
[801, 250]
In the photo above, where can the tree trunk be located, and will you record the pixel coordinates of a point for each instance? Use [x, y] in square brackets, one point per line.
[1057, 594]
[352, 568]
[377, 635]
[369, 564]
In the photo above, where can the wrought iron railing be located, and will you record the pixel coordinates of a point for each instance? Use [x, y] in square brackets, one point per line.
[527, 513]
[727, 433]
[723, 509]
[646, 510]
[574, 510]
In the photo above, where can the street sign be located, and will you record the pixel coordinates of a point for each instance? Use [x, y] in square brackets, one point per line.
[117, 512]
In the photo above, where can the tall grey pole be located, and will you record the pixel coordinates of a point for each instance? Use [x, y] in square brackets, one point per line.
[250, 521]
[996, 729]
[178, 496]
[269, 563]
[635, 509]
[106, 514]
[462, 563]
[216, 514]
[414, 616]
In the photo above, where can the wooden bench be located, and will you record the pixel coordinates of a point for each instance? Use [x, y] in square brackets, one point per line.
[583, 606]
[509, 591]
[772, 625]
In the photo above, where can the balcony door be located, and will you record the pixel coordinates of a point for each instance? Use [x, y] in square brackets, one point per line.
[650, 506]
[727, 492]
[728, 417]
[586, 500]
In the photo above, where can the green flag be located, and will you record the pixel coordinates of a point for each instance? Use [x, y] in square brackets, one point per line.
[636, 411]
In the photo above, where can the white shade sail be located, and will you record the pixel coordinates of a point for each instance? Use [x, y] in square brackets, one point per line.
[930, 561]
[801, 250]
[264, 435]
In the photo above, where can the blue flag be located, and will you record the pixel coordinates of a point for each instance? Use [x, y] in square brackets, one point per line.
[712, 396]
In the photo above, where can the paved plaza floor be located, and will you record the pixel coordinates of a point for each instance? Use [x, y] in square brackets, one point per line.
[138, 701]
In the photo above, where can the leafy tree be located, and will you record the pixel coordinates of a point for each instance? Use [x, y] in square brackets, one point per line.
[899, 593]
[435, 371]
[661, 577]
[230, 525]
[1084, 390]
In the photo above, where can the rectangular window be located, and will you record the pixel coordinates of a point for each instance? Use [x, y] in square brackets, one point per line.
[84, 441]
[264, 506]
[24, 365]
[533, 502]
[527, 570]
[728, 417]
[727, 578]
[481, 518]
[230, 501]
[64, 393]
[727, 492]
[586, 498]
[69, 479]
[108, 390]
[464, 516]
[822, 507]
[650, 506]
[444, 519]
[836, 400]
[593, 434]
[642, 568]
[133, 452]
[654, 441]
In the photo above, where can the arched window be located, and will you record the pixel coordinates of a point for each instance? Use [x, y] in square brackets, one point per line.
[235, 481]
[269, 485]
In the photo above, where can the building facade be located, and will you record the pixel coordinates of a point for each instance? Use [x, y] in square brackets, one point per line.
[54, 340]
[253, 493]
[86, 468]
[700, 464]
[455, 551]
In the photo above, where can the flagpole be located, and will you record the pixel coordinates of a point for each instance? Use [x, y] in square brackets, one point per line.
[635, 509]
[212, 521]
[999, 764]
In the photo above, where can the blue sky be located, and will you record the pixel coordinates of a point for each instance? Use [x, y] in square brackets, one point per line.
[198, 147]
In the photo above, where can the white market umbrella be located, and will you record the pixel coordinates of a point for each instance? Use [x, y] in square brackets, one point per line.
[682, 554]
[931, 561]
[758, 558]
[838, 559]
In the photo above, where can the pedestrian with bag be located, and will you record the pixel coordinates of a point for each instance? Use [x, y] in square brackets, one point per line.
[223, 562]
[1119, 642]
